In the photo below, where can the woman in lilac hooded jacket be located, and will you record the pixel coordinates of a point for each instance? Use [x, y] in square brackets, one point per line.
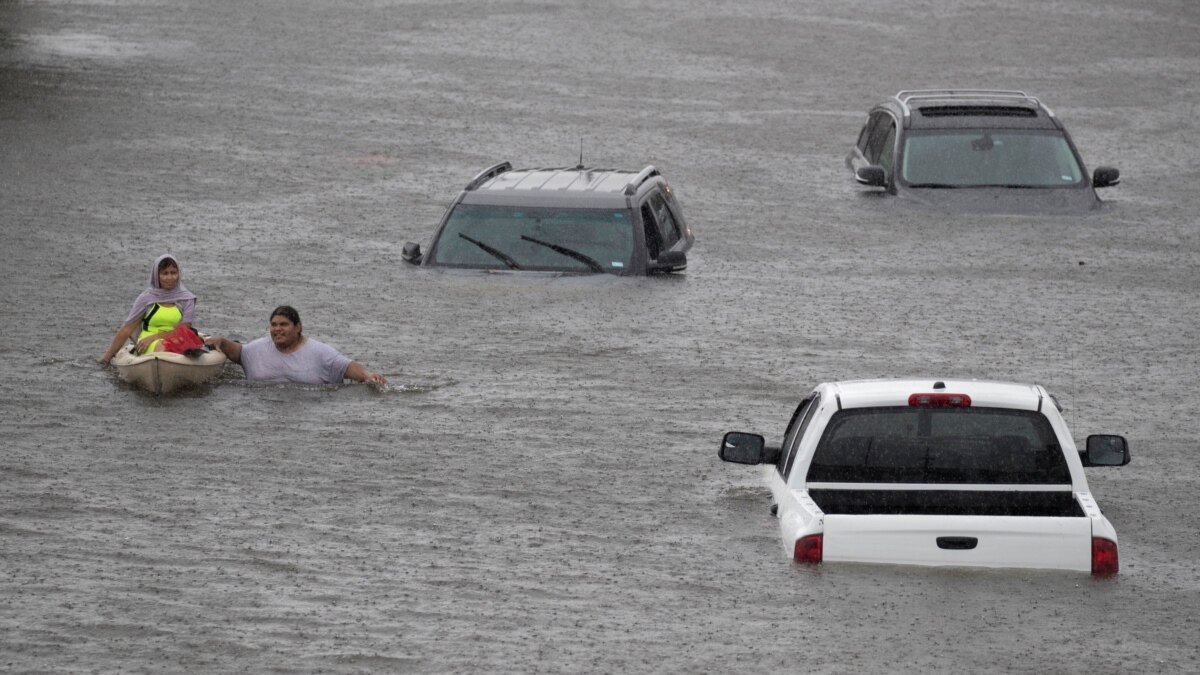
[166, 304]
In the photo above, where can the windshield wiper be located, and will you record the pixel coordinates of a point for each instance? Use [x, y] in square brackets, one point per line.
[570, 253]
[936, 185]
[500, 255]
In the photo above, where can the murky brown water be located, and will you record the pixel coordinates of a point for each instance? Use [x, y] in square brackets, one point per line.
[539, 491]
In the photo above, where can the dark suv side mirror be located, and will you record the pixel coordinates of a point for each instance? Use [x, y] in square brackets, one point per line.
[411, 253]
[669, 261]
[1106, 450]
[871, 174]
[1105, 176]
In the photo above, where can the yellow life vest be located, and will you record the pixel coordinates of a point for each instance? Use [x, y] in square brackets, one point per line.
[159, 319]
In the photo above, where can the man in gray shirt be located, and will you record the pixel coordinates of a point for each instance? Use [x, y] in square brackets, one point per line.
[287, 355]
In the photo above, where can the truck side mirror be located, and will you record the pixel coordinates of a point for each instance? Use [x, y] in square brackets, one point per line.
[742, 448]
[1106, 450]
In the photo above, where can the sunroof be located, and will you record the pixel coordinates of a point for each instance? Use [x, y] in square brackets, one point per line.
[977, 111]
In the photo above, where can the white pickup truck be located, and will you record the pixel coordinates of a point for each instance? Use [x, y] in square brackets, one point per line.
[924, 472]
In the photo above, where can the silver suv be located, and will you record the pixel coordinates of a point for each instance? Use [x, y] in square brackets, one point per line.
[571, 220]
[977, 149]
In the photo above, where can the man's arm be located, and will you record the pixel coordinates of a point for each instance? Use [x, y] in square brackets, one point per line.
[359, 373]
[231, 349]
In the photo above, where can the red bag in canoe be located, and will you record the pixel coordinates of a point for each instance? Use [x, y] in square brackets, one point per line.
[183, 340]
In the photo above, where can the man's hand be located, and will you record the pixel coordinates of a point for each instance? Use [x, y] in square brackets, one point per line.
[357, 372]
[232, 350]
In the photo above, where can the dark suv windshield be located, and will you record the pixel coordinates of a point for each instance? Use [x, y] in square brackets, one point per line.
[939, 445]
[557, 239]
[973, 158]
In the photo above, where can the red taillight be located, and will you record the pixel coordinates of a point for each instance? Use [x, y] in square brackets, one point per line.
[808, 549]
[940, 400]
[1104, 557]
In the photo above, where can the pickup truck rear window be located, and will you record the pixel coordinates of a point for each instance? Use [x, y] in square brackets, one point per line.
[1059, 504]
[939, 445]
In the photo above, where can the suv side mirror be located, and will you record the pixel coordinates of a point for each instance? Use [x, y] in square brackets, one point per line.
[411, 253]
[871, 174]
[1105, 176]
[669, 261]
[1106, 450]
[742, 448]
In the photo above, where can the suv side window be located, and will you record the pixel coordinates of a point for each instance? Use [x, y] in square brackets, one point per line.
[654, 243]
[667, 227]
[888, 150]
[883, 132]
[792, 444]
[865, 134]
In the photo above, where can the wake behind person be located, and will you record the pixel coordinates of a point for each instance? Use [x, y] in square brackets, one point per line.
[287, 355]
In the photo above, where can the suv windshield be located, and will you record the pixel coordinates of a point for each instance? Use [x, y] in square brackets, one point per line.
[556, 239]
[982, 158]
[939, 445]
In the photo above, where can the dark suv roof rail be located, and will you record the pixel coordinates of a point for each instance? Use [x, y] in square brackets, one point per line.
[642, 176]
[488, 174]
[903, 97]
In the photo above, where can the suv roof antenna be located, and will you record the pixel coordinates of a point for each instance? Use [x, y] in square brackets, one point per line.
[580, 166]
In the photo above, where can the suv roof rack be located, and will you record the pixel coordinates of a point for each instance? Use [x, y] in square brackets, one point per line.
[488, 174]
[642, 176]
[903, 97]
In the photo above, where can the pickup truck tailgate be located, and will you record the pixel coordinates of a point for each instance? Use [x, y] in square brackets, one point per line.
[975, 541]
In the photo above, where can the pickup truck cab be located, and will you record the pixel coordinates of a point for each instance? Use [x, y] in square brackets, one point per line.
[924, 472]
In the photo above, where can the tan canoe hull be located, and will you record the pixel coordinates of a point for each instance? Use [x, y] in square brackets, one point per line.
[166, 372]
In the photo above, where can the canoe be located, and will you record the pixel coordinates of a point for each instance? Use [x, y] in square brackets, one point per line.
[165, 372]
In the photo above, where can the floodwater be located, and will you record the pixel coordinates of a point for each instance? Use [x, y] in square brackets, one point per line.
[538, 489]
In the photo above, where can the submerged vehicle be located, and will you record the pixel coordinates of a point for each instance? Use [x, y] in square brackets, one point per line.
[166, 372]
[975, 149]
[939, 473]
[567, 220]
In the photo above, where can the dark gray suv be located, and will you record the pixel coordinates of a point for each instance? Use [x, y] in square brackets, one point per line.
[577, 220]
[979, 149]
